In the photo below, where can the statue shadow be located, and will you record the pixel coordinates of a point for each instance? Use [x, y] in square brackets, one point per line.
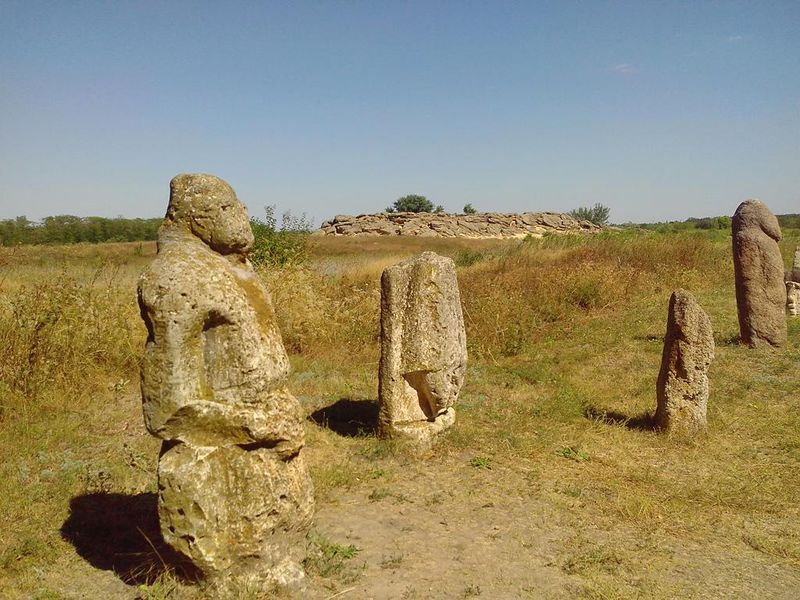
[120, 533]
[348, 418]
[643, 422]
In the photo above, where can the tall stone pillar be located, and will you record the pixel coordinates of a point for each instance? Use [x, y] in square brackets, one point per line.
[760, 288]
[682, 387]
[423, 348]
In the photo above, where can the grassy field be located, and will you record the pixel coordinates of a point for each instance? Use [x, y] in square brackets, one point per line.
[552, 484]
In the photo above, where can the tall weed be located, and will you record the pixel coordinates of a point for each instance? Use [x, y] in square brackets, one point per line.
[59, 334]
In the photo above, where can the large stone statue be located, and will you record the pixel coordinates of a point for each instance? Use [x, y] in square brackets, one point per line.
[682, 388]
[423, 348]
[234, 495]
[760, 289]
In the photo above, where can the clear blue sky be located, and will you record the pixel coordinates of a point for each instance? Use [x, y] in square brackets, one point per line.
[660, 110]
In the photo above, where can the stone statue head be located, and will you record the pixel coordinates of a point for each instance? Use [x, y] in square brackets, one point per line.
[207, 207]
[793, 298]
[753, 213]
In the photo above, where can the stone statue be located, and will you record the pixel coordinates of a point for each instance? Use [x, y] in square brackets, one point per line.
[794, 273]
[682, 388]
[793, 298]
[760, 289]
[234, 496]
[423, 349]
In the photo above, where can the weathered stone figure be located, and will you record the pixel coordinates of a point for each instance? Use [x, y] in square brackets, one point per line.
[682, 388]
[760, 289]
[234, 492]
[794, 273]
[793, 298]
[423, 348]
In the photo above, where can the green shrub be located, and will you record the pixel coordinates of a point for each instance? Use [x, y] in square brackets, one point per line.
[413, 203]
[286, 246]
[467, 258]
[597, 214]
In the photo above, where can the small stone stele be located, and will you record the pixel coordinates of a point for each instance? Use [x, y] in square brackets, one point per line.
[234, 494]
[760, 289]
[423, 349]
[793, 298]
[682, 388]
[794, 273]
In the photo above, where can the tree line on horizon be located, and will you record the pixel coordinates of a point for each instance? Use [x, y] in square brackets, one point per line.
[69, 229]
[787, 221]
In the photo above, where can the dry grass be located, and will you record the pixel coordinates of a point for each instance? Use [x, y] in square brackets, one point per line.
[564, 339]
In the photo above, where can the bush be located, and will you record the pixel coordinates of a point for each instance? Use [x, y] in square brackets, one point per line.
[412, 203]
[469, 209]
[286, 246]
[597, 214]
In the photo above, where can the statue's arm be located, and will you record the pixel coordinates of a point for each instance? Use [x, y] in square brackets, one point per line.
[179, 403]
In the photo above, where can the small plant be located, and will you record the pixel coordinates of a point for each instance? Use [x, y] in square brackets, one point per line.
[572, 453]
[472, 590]
[161, 589]
[378, 494]
[391, 562]
[481, 462]
[601, 559]
[467, 258]
[327, 558]
[469, 209]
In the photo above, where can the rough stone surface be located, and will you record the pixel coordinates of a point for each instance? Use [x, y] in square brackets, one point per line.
[793, 298]
[682, 388]
[760, 289]
[479, 225]
[423, 348]
[234, 492]
[794, 273]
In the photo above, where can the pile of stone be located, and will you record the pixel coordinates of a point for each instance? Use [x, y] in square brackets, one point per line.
[479, 225]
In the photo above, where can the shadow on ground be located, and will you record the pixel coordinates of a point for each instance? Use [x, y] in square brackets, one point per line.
[643, 422]
[348, 418]
[120, 533]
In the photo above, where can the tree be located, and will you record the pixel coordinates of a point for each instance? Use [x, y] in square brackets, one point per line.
[597, 214]
[469, 209]
[411, 203]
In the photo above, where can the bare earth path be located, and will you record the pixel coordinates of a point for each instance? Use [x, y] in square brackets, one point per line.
[446, 532]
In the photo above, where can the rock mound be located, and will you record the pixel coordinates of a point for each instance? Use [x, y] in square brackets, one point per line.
[479, 225]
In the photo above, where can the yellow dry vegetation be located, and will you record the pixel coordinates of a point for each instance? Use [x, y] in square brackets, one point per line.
[564, 337]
